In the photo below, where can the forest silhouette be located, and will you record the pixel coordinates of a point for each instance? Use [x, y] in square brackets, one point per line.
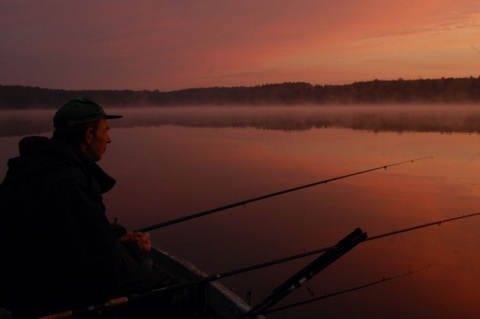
[442, 105]
[423, 91]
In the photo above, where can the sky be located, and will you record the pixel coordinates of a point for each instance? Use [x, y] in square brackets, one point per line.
[178, 44]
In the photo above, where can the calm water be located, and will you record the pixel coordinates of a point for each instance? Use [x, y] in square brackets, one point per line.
[167, 171]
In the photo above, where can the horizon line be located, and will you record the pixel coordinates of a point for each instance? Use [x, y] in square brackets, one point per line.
[244, 86]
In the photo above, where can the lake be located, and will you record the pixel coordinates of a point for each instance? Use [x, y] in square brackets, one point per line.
[175, 162]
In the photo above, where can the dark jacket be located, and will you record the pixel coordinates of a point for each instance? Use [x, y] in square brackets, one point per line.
[55, 240]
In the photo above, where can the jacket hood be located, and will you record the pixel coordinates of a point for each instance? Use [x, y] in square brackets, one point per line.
[40, 154]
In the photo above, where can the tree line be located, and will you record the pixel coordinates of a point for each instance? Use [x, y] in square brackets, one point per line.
[425, 91]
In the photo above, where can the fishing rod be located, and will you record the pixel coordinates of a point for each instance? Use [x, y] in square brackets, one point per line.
[341, 292]
[274, 262]
[332, 254]
[323, 261]
[122, 300]
[404, 230]
[436, 223]
[255, 199]
[204, 280]
[307, 273]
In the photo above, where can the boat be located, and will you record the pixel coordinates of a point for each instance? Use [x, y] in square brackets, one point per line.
[214, 300]
[201, 295]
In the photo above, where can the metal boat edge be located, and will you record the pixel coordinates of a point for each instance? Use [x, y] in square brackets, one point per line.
[219, 299]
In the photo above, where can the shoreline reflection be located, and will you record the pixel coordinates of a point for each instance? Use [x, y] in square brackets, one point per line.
[386, 118]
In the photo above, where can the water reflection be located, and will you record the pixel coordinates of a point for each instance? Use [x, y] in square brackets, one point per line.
[403, 118]
[165, 172]
[186, 170]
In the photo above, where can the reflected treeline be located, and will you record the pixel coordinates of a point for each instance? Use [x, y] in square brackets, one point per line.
[464, 119]
[443, 119]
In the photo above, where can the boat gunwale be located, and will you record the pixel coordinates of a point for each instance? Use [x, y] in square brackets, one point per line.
[221, 300]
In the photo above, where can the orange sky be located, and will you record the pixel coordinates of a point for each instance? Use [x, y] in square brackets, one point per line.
[168, 45]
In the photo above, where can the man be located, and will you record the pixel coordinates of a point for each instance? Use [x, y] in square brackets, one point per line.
[57, 245]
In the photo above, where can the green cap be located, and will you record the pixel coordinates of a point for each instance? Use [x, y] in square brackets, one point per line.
[80, 110]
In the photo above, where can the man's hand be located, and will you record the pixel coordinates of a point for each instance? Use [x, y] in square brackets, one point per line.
[142, 240]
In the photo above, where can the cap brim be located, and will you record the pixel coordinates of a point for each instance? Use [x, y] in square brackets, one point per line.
[111, 117]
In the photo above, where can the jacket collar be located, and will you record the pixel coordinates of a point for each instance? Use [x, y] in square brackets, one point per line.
[60, 153]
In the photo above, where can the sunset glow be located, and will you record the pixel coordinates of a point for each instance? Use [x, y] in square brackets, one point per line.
[169, 45]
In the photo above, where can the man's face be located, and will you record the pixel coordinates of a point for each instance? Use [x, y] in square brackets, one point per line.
[97, 140]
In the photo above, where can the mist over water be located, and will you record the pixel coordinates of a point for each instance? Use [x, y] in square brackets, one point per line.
[398, 118]
[420, 118]
[174, 162]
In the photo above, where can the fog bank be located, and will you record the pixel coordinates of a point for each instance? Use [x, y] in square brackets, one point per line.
[425, 118]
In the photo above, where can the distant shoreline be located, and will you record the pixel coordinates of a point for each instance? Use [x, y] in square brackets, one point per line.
[376, 92]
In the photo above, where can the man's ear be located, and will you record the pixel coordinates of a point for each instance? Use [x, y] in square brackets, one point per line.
[89, 135]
